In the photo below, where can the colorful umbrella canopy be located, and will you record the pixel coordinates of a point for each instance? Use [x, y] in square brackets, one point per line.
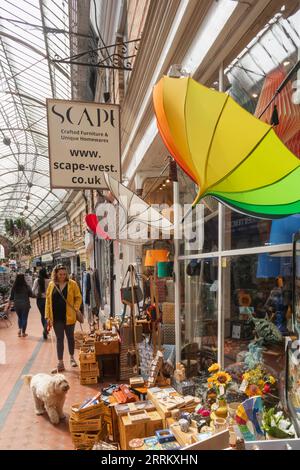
[230, 154]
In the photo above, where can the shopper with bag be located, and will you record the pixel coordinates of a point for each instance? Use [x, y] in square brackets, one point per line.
[19, 295]
[39, 289]
[63, 300]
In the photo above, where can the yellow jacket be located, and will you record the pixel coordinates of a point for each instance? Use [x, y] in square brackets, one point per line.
[74, 300]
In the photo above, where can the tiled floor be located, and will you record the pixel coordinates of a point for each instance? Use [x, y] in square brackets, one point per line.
[20, 428]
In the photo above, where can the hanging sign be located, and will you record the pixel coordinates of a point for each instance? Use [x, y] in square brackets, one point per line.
[84, 143]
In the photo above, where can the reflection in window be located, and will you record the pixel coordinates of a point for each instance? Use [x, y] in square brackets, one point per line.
[258, 286]
[199, 314]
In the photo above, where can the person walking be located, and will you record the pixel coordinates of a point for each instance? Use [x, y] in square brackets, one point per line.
[39, 289]
[20, 295]
[63, 300]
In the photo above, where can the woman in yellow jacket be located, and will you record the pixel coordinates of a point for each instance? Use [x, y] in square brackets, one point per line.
[63, 300]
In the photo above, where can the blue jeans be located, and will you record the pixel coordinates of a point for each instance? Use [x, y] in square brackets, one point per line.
[40, 302]
[22, 313]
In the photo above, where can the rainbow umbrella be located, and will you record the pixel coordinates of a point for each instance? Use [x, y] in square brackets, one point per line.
[230, 154]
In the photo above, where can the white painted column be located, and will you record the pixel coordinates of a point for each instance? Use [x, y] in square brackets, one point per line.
[220, 248]
[177, 215]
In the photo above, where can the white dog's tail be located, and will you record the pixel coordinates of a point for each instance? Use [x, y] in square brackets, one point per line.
[27, 379]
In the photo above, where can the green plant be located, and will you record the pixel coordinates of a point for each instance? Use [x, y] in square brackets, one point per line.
[277, 425]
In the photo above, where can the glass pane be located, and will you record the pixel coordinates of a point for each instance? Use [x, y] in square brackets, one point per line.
[199, 315]
[257, 287]
[200, 227]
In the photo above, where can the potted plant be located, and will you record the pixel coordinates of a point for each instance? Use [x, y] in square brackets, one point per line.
[277, 425]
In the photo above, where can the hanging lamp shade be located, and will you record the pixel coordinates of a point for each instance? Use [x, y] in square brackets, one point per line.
[230, 154]
[154, 256]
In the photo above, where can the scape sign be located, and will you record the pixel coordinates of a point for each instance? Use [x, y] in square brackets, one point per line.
[84, 143]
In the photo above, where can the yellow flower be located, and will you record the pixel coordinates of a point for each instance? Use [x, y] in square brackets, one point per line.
[210, 380]
[221, 378]
[214, 367]
[261, 383]
[272, 380]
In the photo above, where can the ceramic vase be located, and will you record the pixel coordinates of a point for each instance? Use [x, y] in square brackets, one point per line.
[222, 409]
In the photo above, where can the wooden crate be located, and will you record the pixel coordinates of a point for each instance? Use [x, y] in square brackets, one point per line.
[89, 367]
[86, 440]
[92, 411]
[88, 380]
[86, 355]
[89, 373]
[184, 438]
[163, 411]
[129, 430]
[104, 348]
[93, 424]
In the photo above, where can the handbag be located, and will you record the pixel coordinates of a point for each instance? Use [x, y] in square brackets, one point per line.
[194, 267]
[79, 315]
[126, 292]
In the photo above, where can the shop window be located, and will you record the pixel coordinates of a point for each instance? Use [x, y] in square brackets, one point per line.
[199, 314]
[200, 227]
[256, 287]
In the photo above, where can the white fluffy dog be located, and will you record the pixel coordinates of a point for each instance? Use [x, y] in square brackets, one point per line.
[49, 394]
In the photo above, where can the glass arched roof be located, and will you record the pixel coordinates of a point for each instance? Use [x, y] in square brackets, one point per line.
[32, 32]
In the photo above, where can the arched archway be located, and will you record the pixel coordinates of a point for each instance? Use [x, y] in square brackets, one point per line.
[7, 246]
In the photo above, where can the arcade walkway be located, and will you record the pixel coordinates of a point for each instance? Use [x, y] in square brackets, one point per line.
[20, 428]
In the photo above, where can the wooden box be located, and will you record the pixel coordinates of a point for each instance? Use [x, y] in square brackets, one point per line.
[123, 409]
[89, 373]
[163, 410]
[87, 355]
[138, 416]
[93, 424]
[86, 440]
[89, 380]
[129, 430]
[86, 413]
[89, 367]
[102, 348]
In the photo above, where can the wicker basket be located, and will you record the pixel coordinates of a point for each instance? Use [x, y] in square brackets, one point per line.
[168, 312]
[94, 424]
[168, 333]
[92, 411]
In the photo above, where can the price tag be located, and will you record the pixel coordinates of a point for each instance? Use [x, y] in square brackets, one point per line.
[244, 385]
[222, 390]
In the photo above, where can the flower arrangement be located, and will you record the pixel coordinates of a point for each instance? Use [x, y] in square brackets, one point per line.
[277, 425]
[202, 411]
[218, 379]
[257, 382]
